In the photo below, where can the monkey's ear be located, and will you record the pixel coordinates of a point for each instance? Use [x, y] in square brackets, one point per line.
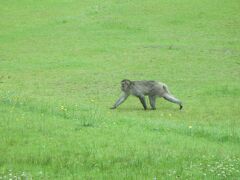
[128, 82]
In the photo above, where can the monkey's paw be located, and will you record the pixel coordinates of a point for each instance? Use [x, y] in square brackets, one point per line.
[180, 108]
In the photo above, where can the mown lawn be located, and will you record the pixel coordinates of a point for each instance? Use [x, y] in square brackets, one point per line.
[61, 63]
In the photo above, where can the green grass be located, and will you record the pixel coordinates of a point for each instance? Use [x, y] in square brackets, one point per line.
[60, 67]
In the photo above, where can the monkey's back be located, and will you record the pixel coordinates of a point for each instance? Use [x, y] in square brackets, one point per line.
[150, 87]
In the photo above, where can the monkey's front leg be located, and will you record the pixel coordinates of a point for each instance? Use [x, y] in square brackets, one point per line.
[120, 101]
[142, 100]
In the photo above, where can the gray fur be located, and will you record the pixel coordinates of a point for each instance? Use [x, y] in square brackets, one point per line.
[140, 89]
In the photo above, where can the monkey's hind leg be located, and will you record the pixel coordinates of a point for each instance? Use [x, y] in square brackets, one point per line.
[152, 100]
[173, 100]
[142, 100]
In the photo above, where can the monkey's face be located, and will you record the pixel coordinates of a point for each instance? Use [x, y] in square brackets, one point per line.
[125, 85]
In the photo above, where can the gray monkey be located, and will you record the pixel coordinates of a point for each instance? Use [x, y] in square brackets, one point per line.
[140, 89]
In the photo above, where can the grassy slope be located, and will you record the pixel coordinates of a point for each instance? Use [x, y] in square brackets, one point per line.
[60, 67]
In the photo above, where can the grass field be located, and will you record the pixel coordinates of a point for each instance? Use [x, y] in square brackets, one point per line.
[61, 63]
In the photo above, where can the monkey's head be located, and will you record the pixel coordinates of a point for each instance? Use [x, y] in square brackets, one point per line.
[125, 85]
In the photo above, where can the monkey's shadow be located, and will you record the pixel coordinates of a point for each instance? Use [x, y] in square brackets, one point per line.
[134, 109]
[130, 109]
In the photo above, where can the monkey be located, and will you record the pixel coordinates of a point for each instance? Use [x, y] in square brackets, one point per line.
[140, 89]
